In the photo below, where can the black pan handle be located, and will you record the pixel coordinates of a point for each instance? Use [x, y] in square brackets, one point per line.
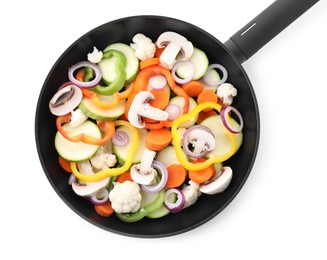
[270, 22]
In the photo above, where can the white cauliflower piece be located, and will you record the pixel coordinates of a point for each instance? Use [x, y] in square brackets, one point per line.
[143, 46]
[95, 56]
[85, 167]
[77, 118]
[191, 192]
[125, 197]
[226, 92]
[103, 159]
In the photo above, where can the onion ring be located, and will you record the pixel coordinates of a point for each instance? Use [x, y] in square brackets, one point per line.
[176, 66]
[224, 118]
[176, 206]
[164, 177]
[211, 82]
[120, 138]
[89, 84]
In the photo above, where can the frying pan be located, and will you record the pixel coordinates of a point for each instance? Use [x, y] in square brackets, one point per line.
[240, 47]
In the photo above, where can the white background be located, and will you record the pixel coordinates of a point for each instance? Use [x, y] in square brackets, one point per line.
[281, 211]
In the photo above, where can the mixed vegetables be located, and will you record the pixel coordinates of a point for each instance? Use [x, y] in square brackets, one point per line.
[145, 128]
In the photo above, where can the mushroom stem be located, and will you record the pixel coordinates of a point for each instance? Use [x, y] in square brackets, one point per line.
[202, 141]
[169, 55]
[153, 113]
[146, 161]
[199, 146]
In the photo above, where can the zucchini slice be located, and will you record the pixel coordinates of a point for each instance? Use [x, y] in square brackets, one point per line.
[79, 151]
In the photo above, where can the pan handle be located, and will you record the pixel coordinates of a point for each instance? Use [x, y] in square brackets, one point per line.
[270, 22]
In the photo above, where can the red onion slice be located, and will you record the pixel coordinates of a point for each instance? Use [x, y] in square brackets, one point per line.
[224, 111]
[176, 206]
[162, 183]
[120, 138]
[211, 82]
[82, 64]
[158, 82]
[185, 143]
[173, 111]
[100, 197]
[177, 65]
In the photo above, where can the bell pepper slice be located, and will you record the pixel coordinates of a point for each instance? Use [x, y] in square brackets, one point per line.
[119, 81]
[107, 127]
[117, 97]
[178, 140]
[112, 171]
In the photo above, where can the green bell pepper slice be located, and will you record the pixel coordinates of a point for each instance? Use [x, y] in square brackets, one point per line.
[120, 79]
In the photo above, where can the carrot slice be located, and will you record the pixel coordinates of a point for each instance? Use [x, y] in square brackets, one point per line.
[193, 88]
[105, 209]
[176, 176]
[202, 175]
[149, 62]
[158, 139]
[207, 95]
[126, 176]
[64, 164]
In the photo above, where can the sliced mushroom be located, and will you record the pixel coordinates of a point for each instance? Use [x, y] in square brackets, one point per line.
[201, 140]
[143, 179]
[143, 173]
[65, 100]
[87, 189]
[140, 107]
[174, 43]
[220, 184]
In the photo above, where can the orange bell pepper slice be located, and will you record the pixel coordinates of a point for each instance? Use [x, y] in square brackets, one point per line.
[108, 127]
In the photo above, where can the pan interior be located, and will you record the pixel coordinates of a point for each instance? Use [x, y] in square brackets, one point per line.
[123, 30]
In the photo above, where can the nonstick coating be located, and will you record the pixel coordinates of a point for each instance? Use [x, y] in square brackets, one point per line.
[123, 30]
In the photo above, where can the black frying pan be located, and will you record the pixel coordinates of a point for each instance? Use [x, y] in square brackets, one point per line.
[236, 50]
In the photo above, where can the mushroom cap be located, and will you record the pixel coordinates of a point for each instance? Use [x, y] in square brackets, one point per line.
[205, 136]
[65, 100]
[87, 189]
[138, 102]
[185, 46]
[138, 177]
[219, 184]
[140, 107]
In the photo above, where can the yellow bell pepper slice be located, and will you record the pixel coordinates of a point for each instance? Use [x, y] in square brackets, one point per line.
[211, 159]
[111, 171]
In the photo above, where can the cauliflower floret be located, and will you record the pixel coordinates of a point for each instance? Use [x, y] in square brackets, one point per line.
[226, 92]
[191, 193]
[77, 118]
[125, 197]
[143, 46]
[95, 56]
[103, 159]
[85, 167]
